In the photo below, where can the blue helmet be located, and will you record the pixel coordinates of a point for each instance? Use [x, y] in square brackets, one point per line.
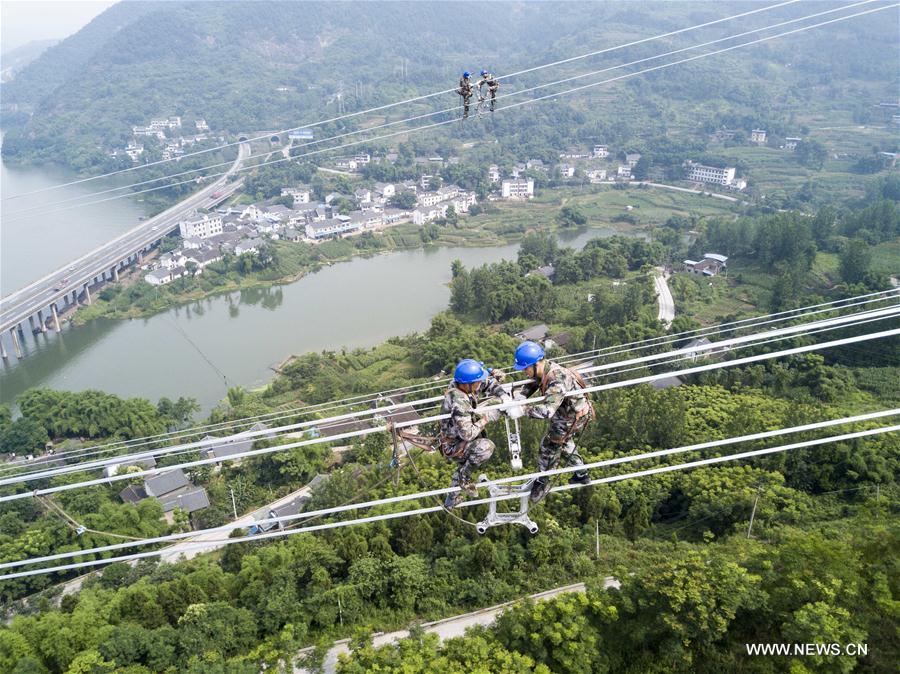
[527, 354]
[484, 72]
[469, 371]
[467, 74]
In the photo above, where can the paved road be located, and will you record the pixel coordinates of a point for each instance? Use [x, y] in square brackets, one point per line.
[449, 628]
[213, 542]
[19, 305]
[666, 312]
[690, 191]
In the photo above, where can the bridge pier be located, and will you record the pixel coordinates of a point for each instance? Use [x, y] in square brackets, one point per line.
[31, 323]
[87, 294]
[55, 317]
[42, 321]
[3, 353]
[15, 338]
[115, 274]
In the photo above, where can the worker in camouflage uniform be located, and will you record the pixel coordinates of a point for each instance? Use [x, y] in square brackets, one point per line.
[568, 415]
[492, 84]
[462, 435]
[466, 89]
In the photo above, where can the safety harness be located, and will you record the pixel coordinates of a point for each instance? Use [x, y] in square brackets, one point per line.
[582, 417]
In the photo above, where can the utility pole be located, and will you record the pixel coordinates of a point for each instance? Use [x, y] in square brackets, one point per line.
[597, 537]
[753, 512]
[233, 503]
[340, 611]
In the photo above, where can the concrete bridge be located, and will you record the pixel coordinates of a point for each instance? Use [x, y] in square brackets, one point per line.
[39, 304]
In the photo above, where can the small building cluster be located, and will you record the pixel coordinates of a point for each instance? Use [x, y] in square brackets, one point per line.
[167, 131]
[172, 489]
[712, 264]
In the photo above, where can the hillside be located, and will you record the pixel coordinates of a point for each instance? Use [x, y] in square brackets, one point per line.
[254, 66]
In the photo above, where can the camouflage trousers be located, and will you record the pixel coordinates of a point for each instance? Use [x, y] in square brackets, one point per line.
[477, 452]
[553, 448]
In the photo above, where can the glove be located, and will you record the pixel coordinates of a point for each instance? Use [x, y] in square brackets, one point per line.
[498, 375]
[490, 416]
[513, 412]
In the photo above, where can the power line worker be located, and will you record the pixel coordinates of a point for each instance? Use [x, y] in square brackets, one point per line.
[492, 84]
[466, 90]
[462, 435]
[568, 415]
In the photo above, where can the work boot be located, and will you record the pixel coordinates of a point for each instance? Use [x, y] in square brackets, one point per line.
[468, 488]
[580, 478]
[539, 489]
[454, 499]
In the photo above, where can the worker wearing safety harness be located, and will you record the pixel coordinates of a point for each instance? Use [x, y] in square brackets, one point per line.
[492, 84]
[462, 435]
[466, 89]
[568, 415]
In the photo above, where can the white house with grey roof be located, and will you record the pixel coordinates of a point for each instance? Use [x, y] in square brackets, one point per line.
[331, 227]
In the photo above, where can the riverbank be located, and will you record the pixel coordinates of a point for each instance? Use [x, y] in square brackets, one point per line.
[133, 298]
[614, 210]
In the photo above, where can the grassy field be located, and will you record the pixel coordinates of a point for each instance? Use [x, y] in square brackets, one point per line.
[886, 258]
[603, 205]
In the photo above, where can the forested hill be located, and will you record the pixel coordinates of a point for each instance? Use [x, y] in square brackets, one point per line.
[251, 66]
[257, 65]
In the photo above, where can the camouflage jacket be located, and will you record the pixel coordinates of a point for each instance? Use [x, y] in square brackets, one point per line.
[464, 424]
[556, 382]
[492, 82]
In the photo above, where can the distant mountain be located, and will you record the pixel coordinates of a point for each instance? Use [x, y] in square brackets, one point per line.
[259, 65]
[14, 60]
[254, 66]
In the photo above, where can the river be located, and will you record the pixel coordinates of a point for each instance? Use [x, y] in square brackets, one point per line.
[201, 348]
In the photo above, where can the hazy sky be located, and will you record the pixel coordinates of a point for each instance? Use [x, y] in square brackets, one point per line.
[22, 21]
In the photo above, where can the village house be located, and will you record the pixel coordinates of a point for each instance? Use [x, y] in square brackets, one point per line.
[517, 189]
[600, 151]
[173, 490]
[596, 176]
[698, 173]
[423, 215]
[248, 246]
[758, 136]
[791, 143]
[201, 125]
[494, 174]
[202, 228]
[300, 195]
[712, 264]
[566, 170]
[385, 190]
[632, 159]
[324, 229]
[623, 172]
[203, 257]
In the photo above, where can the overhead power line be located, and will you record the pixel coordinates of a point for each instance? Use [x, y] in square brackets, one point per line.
[435, 113]
[422, 511]
[637, 363]
[375, 397]
[628, 458]
[379, 429]
[417, 98]
[452, 120]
